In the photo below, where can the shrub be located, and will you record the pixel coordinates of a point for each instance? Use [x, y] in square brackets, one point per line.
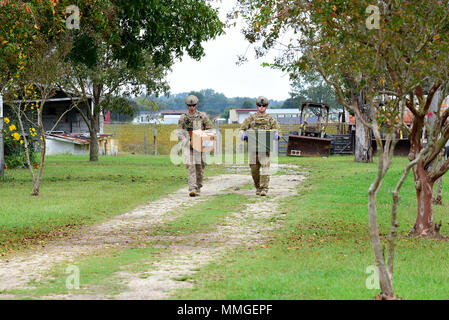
[14, 147]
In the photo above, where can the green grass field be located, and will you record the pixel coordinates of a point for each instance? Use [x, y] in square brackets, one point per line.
[322, 250]
[76, 192]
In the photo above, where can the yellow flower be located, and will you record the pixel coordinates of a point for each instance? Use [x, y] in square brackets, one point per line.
[16, 136]
[12, 127]
[6, 120]
[21, 141]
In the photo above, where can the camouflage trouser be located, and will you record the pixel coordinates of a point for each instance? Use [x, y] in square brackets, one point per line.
[195, 169]
[260, 169]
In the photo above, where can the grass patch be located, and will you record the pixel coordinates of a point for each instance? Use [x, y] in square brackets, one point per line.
[323, 250]
[203, 217]
[76, 192]
[248, 186]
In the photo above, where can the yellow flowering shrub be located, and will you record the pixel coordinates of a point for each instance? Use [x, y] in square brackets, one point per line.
[16, 136]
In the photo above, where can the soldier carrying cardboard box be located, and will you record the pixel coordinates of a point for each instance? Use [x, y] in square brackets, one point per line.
[263, 125]
[195, 160]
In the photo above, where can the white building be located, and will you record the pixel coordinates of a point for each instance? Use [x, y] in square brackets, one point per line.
[59, 142]
[163, 117]
[281, 115]
[172, 116]
[143, 117]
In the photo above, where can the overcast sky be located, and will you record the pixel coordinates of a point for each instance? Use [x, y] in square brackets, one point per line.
[218, 70]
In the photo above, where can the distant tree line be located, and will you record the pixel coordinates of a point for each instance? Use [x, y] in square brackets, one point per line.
[210, 101]
[217, 104]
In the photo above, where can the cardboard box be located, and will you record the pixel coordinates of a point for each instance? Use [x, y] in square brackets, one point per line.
[260, 140]
[203, 141]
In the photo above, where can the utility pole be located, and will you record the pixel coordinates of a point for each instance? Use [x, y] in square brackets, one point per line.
[2, 150]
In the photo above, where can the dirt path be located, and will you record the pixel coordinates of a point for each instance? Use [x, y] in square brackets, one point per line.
[184, 257]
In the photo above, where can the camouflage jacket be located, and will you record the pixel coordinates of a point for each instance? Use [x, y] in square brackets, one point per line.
[261, 121]
[189, 122]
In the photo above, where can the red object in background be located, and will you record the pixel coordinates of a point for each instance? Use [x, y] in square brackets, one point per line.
[107, 117]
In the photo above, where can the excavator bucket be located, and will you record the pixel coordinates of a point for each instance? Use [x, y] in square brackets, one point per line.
[305, 146]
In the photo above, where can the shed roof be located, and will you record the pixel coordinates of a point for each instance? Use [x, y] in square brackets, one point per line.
[75, 138]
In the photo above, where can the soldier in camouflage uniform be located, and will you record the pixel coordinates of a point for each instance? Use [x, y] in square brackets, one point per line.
[195, 161]
[260, 161]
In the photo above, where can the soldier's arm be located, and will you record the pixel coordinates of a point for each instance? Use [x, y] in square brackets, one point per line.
[278, 128]
[246, 124]
[275, 126]
[207, 124]
[181, 132]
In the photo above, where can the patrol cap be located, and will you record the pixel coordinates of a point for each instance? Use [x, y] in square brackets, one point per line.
[262, 101]
[191, 100]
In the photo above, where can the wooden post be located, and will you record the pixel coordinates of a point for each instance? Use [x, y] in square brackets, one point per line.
[155, 138]
[2, 152]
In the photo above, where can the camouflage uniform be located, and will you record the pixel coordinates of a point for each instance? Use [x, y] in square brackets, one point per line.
[195, 161]
[259, 162]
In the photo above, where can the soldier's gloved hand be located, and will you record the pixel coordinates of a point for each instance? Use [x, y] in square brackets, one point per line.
[245, 137]
[276, 136]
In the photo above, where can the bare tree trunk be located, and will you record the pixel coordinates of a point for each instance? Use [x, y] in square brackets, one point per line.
[385, 277]
[438, 198]
[363, 148]
[363, 134]
[95, 124]
[424, 224]
[94, 147]
[37, 183]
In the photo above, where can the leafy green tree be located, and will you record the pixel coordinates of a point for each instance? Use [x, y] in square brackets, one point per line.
[317, 90]
[381, 57]
[294, 102]
[225, 114]
[248, 104]
[33, 48]
[124, 48]
[144, 103]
